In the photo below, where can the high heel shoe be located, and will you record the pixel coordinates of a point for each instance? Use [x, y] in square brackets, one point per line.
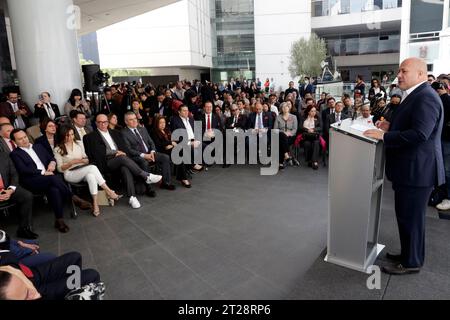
[112, 200]
[96, 213]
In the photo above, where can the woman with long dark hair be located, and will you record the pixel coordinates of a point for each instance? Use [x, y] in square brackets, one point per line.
[72, 161]
[162, 137]
[76, 102]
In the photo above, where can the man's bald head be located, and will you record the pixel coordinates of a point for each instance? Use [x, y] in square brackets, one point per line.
[412, 71]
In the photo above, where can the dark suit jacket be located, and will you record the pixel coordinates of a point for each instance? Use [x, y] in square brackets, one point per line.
[161, 143]
[41, 113]
[267, 120]
[332, 117]
[413, 143]
[43, 141]
[215, 122]
[25, 165]
[6, 110]
[133, 144]
[8, 171]
[241, 122]
[303, 91]
[3, 146]
[88, 130]
[95, 148]
[177, 123]
[317, 127]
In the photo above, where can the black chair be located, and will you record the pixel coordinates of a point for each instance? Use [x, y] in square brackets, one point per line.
[75, 188]
[4, 208]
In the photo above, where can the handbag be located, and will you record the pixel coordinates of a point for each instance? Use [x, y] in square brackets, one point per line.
[102, 198]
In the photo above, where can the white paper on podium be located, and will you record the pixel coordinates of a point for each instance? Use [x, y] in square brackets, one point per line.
[360, 127]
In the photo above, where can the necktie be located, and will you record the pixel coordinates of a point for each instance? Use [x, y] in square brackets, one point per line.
[208, 124]
[2, 184]
[338, 117]
[141, 142]
[260, 123]
[50, 112]
[26, 271]
[13, 145]
[235, 120]
[83, 132]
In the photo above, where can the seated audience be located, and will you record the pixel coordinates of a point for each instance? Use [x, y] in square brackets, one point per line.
[26, 251]
[338, 114]
[365, 118]
[36, 168]
[6, 144]
[12, 192]
[4, 120]
[114, 122]
[48, 138]
[107, 150]
[184, 122]
[286, 123]
[71, 160]
[79, 123]
[311, 129]
[76, 102]
[47, 281]
[16, 111]
[44, 108]
[161, 135]
[140, 113]
[143, 151]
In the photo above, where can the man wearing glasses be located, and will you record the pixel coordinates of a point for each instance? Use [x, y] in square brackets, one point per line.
[108, 151]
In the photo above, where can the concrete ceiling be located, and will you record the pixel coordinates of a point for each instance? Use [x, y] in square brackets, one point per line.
[97, 14]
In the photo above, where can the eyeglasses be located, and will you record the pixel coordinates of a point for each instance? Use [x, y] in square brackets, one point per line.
[102, 122]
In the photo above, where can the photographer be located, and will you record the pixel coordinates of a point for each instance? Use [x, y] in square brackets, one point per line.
[108, 104]
[45, 109]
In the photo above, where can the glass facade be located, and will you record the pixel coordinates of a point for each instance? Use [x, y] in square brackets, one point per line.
[426, 16]
[335, 7]
[233, 25]
[356, 44]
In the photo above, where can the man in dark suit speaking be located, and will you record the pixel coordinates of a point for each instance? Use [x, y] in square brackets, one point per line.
[414, 160]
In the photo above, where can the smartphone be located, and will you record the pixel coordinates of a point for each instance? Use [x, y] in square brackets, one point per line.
[41, 97]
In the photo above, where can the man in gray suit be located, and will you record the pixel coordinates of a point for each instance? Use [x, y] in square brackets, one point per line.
[143, 151]
[6, 144]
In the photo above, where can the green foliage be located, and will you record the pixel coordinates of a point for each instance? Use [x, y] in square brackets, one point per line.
[306, 56]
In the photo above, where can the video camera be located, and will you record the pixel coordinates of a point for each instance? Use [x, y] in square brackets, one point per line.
[101, 77]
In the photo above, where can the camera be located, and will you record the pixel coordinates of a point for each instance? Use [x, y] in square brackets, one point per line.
[101, 77]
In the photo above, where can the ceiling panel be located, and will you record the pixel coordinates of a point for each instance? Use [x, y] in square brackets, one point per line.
[97, 14]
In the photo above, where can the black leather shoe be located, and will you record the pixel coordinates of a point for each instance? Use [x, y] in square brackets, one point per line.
[26, 233]
[186, 185]
[394, 257]
[151, 193]
[399, 270]
[166, 186]
[61, 226]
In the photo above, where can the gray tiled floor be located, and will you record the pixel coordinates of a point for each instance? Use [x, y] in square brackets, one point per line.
[237, 235]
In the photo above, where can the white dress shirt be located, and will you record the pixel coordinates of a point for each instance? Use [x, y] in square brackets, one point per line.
[109, 139]
[50, 113]
[189, 130]
[30, 151]
[408, 92]
[18, 123]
